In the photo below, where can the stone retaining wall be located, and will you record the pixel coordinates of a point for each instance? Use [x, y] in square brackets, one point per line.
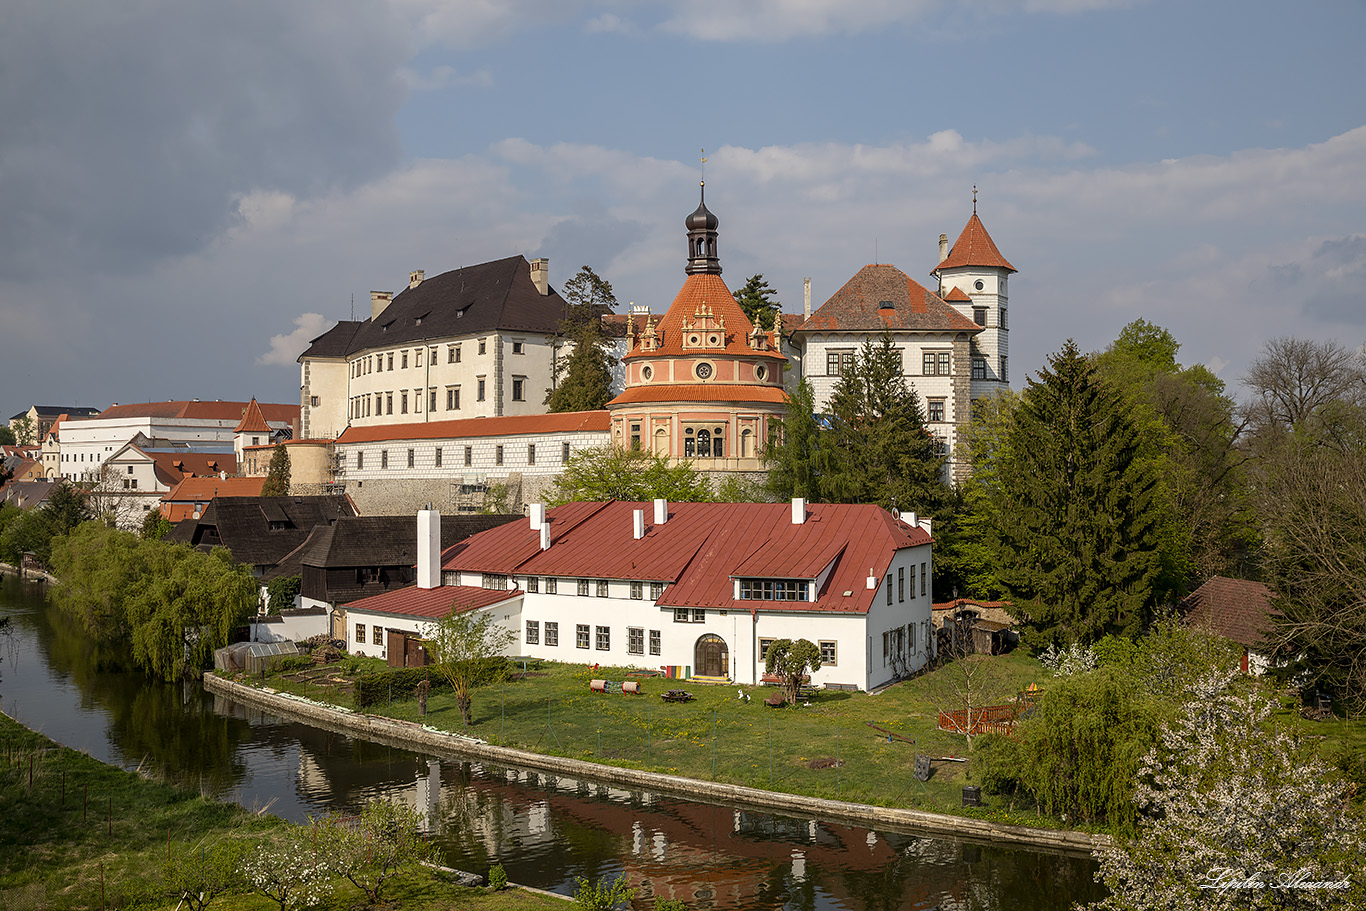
[414, 737]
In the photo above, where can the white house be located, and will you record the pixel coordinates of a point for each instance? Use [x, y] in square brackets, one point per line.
[696, 589]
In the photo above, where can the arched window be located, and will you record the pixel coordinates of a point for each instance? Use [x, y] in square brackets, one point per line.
[746, 444]
[703, 444]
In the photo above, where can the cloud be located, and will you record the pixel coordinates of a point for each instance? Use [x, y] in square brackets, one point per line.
[285, 349]
[120, 150]
[1335, 276]
[444, 77]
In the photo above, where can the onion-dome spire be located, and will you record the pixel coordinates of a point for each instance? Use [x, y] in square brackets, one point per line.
[701, 226]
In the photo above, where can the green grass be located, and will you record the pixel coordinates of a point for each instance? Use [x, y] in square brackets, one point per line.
[78, 834]
[718, 737]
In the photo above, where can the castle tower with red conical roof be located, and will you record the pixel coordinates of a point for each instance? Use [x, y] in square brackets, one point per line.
[974, 277]
[702, 382]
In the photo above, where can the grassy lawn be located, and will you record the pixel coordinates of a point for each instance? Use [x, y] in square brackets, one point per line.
[78, 834]
[828, 748]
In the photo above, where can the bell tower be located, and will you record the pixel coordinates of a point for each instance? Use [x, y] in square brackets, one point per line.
[701, 224]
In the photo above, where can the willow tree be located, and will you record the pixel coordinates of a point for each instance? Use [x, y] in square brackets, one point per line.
[1076, 512]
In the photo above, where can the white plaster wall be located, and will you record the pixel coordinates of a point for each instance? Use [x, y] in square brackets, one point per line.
[292, 629]
[507, 615]
[327, 380]
[483, 461]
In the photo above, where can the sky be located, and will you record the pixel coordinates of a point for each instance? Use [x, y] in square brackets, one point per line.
[189, 192]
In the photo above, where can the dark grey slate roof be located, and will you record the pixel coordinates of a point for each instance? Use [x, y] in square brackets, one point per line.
[261, 531]
[334, 342]
[482, 298]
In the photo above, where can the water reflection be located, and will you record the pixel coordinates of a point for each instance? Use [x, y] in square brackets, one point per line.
[545, 829]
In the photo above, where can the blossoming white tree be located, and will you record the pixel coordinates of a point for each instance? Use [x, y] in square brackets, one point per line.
[1235, 815]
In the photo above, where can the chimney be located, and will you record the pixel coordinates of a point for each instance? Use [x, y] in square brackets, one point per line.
[943, 247]
[806, 307]
[545, 536]
[925, 524]
[638, 523]
[661, 511]
[378, 301]
[428, 548]
[540, 274]
[872, 579]
[798, 511]
[415, 278]
[537, 515]
[912, 520]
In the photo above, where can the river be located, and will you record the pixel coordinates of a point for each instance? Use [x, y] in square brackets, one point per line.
[546, 831]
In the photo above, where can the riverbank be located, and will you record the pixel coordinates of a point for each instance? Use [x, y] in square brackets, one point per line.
[427, 739]
[76, 833]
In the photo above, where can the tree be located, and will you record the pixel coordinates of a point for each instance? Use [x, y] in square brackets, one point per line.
[756, 299]
[463, 642]
[199, 875]
[965, 686]
[155, 526]
[7, 437]
[610, 473]
[1295, 379]
[24, 431]
[1234, 814]
[791, 661]
[1076, 512]
[583, 379]
[277, 475]
[290, 872]
[369, 851]
[792, 453]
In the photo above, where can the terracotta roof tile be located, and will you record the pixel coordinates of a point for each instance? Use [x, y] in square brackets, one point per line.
[975, 247]
[193, 490]
[957, 295]
[859, 306]
[1236, 609]
[700, 392]
[699, 289]
[216, 411]
[564, 422]
[432, 603]
[252, 420]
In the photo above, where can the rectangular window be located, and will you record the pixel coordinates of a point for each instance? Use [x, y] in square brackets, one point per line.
[1002, 318]
[431, 400]
[581, 635]
[480, 390]
[531, 454]
[452, 398]
[389, 403]
[913, 583]
[944, 363]
[533, 632]
[360, 461]
[979, 315]
[313, 401]
[417, 357]
[552, 585]
[498, 455]
[360, 633]
[922, 579]
[656, 590]
[901, 584]
[927, 363]
[438, 457]
[886, 647]
[583, 588]
[1005, 377]
[431, 356]
[376, 635]
[638, 590]
[518, 348]
[552, 634]
[682, 615]
[533, 583]
[827, 653]
[450, 354]
[391, 360]
[839, 362]
[699, 615]
[910, 636]
[483, 345]
[773, 590]
[564, 452]
[655, 642]
[604, 638]
[519, 389]
[934, 409]
[979, 368]
[889, 588]
[410, 458]
[635, 640]
[403, 403]
[384, 458]
[602, 588]
[133, 483]
[495, 581]
[763, 648]
[469, 455]
[405, 359]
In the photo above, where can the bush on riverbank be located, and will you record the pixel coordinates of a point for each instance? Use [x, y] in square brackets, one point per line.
[401, 683]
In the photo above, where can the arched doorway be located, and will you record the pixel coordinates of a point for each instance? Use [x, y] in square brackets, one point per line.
[711, 657]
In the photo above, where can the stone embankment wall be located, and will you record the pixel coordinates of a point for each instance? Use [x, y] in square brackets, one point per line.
[414, 737]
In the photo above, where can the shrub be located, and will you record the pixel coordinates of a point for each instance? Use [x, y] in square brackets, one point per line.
[602, 896]
[498, 878]
[372, 689]
[283, 591]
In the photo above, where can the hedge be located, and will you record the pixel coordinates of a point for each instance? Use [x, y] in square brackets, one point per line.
[400, 683]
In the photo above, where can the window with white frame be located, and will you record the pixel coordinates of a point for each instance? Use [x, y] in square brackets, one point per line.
[552, 634]
[533, 632]
[637, 590]
[682, 615]
[533, 583]
[552, 585]
[604, 639]
[602, 588]
[655, 641]
[656, 590]
[581, 635]
[828, 652]
[635, 640]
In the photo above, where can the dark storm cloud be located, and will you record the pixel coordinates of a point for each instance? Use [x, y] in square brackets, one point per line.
[1337, 273]
[593, 238]
[130, 128]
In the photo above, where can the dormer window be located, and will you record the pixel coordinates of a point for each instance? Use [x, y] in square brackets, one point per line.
[774, 589]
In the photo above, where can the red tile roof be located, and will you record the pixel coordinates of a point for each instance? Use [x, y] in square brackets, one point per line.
[958, 295]
[970, 602]
[704, 288]
[975, 247]
[180, 465]
[1236, 609]
[215, 411]
[252, 420]
[432, 603]
[702, 548]
[564, 422]
[700, 392]
[201, 490]
[859, 306]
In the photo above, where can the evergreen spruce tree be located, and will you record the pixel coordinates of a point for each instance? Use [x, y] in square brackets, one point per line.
[277, 475]
[878, 449]
[756, 299]
[1076, 511]
[792, 452]
[584, 377]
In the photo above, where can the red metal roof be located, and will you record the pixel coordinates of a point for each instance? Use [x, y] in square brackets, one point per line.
[432, 603]
[564, 422]
[975, 247]
[701, 548]
[701, 392]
